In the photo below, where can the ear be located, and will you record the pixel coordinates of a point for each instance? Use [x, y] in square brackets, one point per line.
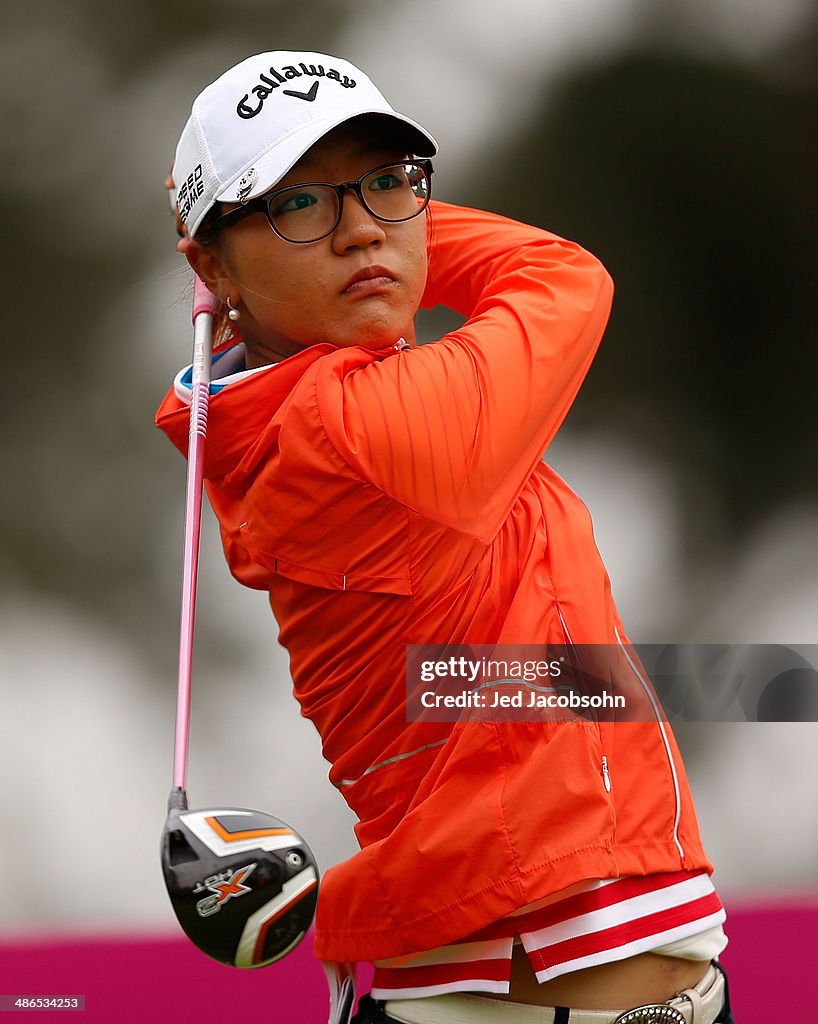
[206, 262]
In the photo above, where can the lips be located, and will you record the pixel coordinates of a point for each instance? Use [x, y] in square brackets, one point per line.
[369, 281]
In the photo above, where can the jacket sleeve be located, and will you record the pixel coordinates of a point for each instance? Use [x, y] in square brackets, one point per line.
[453, 429]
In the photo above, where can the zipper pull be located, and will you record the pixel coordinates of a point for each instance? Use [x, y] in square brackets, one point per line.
[606, 778]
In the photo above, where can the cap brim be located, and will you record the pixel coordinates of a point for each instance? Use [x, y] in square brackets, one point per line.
[271, 167]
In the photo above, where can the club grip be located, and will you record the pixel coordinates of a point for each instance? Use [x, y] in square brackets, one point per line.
[204, 301]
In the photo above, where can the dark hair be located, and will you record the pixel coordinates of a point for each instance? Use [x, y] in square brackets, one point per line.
[209, 229]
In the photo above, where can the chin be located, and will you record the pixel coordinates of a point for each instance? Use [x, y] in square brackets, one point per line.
[376, 337]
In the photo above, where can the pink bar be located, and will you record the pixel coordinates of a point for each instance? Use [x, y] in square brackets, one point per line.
[770, 962]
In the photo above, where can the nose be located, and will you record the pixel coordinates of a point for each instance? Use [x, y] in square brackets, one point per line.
[357, 228]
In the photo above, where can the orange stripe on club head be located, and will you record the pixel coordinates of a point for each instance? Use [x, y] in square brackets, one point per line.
[253, 833]
[262, 935]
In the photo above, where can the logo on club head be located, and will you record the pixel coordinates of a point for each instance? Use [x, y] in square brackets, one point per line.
[224, 886]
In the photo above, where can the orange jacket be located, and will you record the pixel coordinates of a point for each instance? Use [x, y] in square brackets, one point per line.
[399, 496]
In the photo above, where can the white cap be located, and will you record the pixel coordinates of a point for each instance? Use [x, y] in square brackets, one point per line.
[250, 126]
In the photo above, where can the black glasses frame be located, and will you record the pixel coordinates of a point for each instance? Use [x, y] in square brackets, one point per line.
[263, 204]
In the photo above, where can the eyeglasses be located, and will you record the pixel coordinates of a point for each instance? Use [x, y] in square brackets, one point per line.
[310, 211]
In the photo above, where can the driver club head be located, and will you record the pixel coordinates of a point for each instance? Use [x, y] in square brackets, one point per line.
[243, 884]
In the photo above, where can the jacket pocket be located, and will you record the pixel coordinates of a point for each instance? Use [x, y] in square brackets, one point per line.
[603, 734]
[336, 579]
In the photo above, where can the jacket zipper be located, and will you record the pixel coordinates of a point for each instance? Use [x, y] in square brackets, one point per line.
[606, 776]
[666, 742]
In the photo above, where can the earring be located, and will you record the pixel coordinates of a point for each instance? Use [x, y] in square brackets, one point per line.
[233, 314]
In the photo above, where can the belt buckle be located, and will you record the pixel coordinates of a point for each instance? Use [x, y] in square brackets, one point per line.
[651, 1013]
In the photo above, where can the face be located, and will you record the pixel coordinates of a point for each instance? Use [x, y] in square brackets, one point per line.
[294, 295]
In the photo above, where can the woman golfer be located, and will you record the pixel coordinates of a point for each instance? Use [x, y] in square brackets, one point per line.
[386, 494]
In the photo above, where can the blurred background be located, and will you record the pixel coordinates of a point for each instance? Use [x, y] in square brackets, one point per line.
[673, 138]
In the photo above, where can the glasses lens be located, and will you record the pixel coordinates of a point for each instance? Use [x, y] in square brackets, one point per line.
[396, 193]
[304, 212]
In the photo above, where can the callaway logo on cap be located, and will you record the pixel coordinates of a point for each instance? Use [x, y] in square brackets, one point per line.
[250, 126]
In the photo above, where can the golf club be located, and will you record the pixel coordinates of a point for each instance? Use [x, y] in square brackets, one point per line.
[242, 883]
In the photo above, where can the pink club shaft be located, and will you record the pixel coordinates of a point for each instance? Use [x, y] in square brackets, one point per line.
[204, 307]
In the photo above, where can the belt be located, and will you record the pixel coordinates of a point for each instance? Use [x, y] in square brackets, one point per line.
[699, 1005]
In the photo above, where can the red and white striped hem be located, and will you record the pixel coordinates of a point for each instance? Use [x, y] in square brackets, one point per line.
[592, 923]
